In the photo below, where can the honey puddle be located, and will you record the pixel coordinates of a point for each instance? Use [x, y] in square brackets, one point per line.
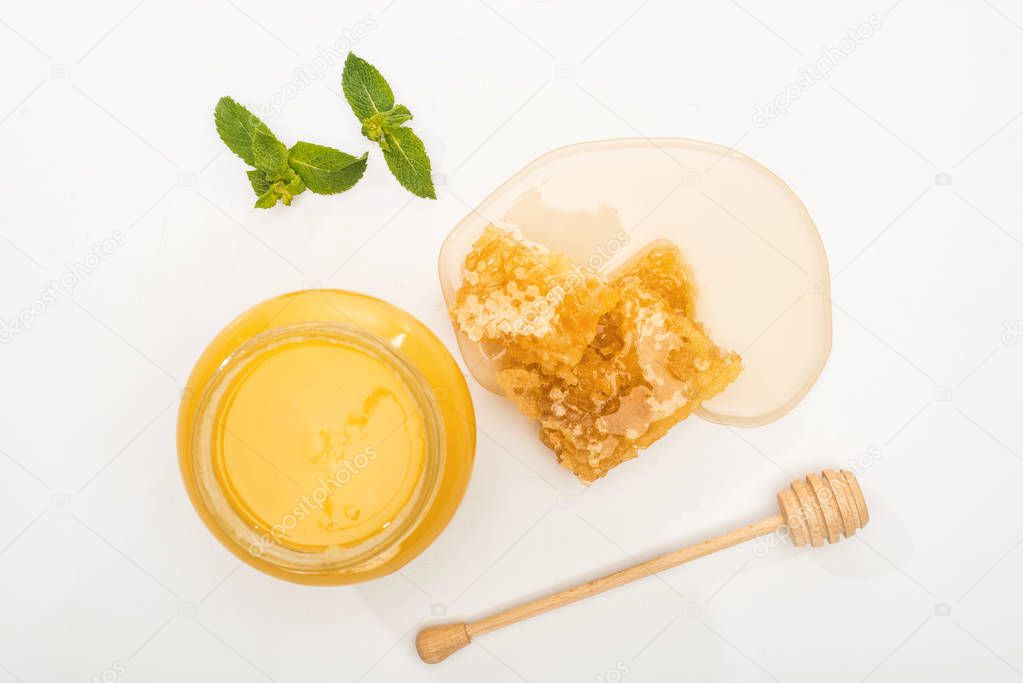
[754, 255]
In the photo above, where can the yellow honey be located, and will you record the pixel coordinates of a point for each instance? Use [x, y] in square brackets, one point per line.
[326, 437]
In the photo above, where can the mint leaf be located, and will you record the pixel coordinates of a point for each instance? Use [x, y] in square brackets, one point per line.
[365, 89]
[397, 116]
[269, 155]
[405, 155]
[238, 128]
[258, 181]
[326, 170]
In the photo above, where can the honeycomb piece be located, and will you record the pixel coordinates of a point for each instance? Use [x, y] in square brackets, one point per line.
[647, 365]
[647, 369]
[538, 305]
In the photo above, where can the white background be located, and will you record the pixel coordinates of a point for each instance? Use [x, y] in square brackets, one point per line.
[106, 125]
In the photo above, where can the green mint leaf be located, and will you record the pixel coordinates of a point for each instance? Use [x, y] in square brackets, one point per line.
[397, 116]
[259, 182]
[269, 155]
[326, 170]
[238, 128]
[405, 155]
[365, 89]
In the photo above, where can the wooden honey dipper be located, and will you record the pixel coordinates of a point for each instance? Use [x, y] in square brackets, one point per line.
[825, 506]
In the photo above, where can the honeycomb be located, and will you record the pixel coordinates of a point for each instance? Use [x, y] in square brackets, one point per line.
[605, 388]
[535, 304]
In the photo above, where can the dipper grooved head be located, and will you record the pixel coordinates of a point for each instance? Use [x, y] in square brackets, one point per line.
[825, 506]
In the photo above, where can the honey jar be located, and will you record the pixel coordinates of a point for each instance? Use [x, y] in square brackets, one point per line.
[326, 437]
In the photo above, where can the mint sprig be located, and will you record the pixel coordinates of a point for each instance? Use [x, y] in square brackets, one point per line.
[279, 174]
[371, 99]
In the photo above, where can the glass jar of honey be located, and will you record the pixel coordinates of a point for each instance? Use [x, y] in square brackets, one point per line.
[326, 437]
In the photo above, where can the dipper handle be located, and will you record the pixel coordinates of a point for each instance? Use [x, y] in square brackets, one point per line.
[823, 506]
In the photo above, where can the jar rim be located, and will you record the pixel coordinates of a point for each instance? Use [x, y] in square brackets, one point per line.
[263, 544]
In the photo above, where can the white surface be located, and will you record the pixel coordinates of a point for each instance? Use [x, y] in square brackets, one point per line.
[106, 572]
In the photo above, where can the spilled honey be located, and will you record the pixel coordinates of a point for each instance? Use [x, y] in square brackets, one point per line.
[757, 264]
